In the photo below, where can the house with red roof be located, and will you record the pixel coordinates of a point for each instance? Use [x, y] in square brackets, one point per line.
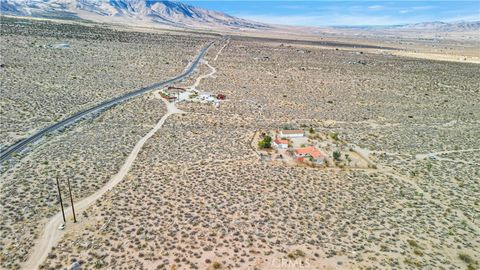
[310, 152]
[280, 144]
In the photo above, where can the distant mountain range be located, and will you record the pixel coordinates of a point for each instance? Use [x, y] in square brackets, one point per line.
[173, 13]
[443, 26]
[151, 12]
[425, 26]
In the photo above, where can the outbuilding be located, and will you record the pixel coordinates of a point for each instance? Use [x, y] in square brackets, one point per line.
[292, 133]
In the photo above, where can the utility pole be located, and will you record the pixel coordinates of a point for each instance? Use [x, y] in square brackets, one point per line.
[71, 200]
[61, 203]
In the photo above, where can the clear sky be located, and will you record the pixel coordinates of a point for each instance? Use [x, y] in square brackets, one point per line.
[320, 13]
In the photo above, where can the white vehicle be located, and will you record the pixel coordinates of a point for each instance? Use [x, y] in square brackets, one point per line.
[62, 226]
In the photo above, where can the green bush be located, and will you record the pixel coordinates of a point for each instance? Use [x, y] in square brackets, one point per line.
[465, 257]
[336, 155]
[266, 142]
[418, 252]
[413, 243]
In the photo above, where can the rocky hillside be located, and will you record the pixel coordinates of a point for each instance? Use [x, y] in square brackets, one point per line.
[170, 13]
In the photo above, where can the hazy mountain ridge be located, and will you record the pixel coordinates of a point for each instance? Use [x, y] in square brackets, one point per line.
[462, 26]
[150, 11]
[178, 14]
[443, 26]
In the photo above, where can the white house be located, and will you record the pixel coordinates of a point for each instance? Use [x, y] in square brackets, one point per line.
[292, 133]
[280, 144]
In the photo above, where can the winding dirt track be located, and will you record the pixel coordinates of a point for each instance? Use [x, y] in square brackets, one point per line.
[51, 234]
[427, 196]
[200, 78]
[18, 146]
[220, 51]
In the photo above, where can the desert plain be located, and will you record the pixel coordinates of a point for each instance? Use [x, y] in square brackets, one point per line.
[197, 195]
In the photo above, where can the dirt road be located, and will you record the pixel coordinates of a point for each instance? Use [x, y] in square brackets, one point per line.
[51, 234]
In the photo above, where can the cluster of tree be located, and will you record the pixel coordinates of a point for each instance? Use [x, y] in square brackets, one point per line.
[266, 142]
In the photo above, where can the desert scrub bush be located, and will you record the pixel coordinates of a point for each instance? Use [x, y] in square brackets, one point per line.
[216, 265]
[465, 257]
[99, 264]
[336, 155]
[471, 267]
[413, 243]
[418, 252]
[296, 254]
[412, 262]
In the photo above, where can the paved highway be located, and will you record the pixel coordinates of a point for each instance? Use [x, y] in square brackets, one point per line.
[18, 146]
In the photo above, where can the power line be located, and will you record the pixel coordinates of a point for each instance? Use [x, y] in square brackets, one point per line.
[71, 201]
[61, 202]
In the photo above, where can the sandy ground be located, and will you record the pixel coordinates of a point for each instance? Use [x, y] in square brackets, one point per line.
[191, 197]
[51, 234]
[439, 57]
[207, 212]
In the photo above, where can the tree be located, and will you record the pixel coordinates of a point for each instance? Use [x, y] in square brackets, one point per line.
[311, 130]
[266, 142]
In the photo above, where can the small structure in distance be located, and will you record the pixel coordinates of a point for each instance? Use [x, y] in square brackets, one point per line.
[296, 133]
[320, 148]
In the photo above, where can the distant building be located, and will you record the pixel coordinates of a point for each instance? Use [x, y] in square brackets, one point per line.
[280, 144]
[61, 46]
[292, 133]
[168, 97]
[206, 96]
[310, 152]
[176, 88]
